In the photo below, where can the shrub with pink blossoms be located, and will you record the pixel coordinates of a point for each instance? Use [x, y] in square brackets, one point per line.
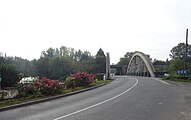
[47, 86]
[42, 86]
[80, 79]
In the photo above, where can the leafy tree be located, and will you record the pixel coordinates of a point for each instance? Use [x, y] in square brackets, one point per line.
[126, 59]
[175, 65]
[48, 53]
[59, 63]
[178, 57]
[179, 51]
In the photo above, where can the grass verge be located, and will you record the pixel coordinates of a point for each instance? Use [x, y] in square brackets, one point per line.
[178, 78]
[13, 101]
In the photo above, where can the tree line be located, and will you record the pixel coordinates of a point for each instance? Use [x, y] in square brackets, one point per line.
[57, 63]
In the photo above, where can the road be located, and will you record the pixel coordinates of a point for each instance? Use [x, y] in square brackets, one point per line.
[126, 98]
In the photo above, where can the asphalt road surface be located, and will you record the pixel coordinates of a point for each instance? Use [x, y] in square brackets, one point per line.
[126, 98]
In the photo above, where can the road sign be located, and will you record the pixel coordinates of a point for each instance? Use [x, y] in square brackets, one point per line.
[183, 72]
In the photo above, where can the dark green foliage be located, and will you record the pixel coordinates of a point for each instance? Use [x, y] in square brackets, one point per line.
[100, 61]
[178, 59]
[175, 65]
[179, 51]
[100, 53]
[58, 63]
[126, 59]
[9, 75]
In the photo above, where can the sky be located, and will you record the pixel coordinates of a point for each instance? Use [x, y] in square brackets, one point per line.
[27, 27]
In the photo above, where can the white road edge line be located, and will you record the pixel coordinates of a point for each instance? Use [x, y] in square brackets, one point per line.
[105, 101]
[161, 81]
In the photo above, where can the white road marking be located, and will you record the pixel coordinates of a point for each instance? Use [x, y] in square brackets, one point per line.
[161, 81]
[105, 101]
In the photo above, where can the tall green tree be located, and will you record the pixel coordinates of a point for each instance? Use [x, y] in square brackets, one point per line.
[179, 51]
[100, 60]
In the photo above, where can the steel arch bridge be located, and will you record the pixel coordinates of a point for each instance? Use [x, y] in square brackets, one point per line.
[140, 65]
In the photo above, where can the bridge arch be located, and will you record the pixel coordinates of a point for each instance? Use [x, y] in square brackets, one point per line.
[140, 65]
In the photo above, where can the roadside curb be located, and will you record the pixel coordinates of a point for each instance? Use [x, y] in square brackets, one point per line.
[49, 98]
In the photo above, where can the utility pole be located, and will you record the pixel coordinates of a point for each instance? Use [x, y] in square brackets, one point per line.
[0, 81]
[186, 54]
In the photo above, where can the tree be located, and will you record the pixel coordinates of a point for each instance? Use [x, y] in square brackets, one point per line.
[178, 57]
[126, 59]
[49, 53]
[100, 61]
[175, 65]
[9, 75]
[58, 63]
[179, 51]
[100, 53]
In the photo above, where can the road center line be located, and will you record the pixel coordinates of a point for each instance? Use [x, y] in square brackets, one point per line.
[100, 103]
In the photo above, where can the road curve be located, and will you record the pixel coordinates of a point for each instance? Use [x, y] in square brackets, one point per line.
[126, 98]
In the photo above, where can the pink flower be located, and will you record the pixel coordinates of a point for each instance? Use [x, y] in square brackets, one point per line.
[51, 84]
[46, 86]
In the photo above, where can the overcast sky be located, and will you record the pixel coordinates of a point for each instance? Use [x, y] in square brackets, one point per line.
[27, 27]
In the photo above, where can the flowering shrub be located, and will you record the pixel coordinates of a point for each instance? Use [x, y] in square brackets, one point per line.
[80, 79]
[26, 90]
[47, 87]
[70, 81]
[42, 86]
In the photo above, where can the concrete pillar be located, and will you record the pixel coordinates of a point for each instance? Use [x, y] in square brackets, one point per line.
[108, 69]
